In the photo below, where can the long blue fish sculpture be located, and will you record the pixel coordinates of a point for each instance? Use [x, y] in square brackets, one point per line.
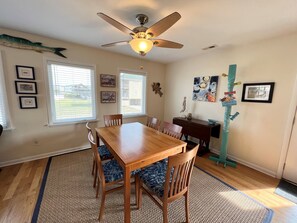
[21, 43]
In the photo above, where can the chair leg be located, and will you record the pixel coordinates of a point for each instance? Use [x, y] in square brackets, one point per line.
[102, 205]
[137, 189]
[95, 176]
[139, 193]
[98, 187]
[187, 206]
[93, 168]
[165, 212]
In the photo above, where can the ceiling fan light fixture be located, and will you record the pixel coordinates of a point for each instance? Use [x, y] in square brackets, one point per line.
[141, 46]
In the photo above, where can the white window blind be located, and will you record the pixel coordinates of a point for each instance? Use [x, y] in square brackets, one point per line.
[132, 93]
[72, 92]
[4, 114]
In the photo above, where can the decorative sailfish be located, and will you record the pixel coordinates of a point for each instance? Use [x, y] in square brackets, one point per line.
[21, 43]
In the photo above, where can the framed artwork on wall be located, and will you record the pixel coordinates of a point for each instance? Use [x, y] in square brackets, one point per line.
[25, 87]
[205, 88]
[108, 97]
[258, 92]
[28, 102]
[107, 80]
[25, 72]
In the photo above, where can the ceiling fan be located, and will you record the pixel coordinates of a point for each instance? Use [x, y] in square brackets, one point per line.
[143, 38]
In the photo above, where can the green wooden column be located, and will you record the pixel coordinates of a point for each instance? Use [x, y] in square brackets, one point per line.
[222, 158]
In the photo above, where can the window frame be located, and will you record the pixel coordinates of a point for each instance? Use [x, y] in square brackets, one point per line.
[51, 121]
[5, 96]
[144, 92]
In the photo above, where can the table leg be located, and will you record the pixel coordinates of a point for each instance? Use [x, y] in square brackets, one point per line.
[127, 187]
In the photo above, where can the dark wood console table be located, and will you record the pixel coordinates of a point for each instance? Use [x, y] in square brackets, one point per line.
[199, 129]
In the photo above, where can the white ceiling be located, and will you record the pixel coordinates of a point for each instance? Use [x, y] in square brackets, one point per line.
[203, 23]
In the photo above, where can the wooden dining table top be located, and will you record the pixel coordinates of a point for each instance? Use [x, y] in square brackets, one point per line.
[136, 145]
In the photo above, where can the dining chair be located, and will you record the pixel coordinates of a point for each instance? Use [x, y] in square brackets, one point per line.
[104, 154]
[111, 120]
[110, 173]
[167, 181]
[172, 130]
[153, 122]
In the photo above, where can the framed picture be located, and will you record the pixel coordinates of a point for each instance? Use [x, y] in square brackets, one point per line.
[23, 87]
[108, 97]
[107, 80]
[258, 92]
[205, 88]
[25, 72]
[27, 102]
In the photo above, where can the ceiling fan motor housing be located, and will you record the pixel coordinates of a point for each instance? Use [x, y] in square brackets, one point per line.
[142, 19]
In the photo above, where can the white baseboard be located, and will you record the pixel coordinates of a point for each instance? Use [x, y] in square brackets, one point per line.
[248, 164]
[41, 156]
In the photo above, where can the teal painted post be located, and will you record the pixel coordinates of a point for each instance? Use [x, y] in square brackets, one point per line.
[223, 150]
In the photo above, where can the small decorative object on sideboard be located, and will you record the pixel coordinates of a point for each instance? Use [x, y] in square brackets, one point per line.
[212, 122]
[189, 116]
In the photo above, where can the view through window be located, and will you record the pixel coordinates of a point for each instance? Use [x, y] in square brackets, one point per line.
[132, 93]
[72, 92]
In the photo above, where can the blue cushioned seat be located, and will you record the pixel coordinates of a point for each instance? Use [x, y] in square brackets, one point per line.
[113, 171]
[104, 153]
[154, 177]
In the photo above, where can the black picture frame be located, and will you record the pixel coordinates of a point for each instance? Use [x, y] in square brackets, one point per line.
[25, 72]
[258, 92]
[28, 102]
[25, 87]
[107, 80]
[108, 97]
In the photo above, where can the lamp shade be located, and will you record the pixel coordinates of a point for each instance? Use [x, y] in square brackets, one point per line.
[141, 45]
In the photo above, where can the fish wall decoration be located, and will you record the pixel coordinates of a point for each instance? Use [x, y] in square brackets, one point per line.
[21, 43]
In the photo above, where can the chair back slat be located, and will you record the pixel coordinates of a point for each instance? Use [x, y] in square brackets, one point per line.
[112, 120]
[153, 122]
[172, 130]
[97, 156]
[178, 174]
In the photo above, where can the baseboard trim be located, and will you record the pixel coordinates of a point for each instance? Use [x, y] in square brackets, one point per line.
[42, 156]
[248, 164]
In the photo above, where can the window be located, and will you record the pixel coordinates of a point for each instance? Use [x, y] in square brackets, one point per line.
[132, 93]
[71, 92]
[4, 114]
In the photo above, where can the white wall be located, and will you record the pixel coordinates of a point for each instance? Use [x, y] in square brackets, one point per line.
[256, 136]
[30, 125]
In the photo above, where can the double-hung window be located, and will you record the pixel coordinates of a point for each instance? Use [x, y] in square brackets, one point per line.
[71, 92]
[132, 93]
[4, 113]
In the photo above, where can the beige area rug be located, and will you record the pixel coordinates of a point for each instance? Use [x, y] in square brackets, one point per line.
[67, 195]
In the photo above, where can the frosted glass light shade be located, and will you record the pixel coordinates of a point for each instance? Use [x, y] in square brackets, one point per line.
[141, 46]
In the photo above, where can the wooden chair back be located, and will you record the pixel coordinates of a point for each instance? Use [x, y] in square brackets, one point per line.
[111, 120]
[172, 130]
[178, 174]
[97, 157]
[153, 122]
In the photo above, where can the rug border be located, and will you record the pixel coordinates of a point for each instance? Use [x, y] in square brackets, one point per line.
[41, 191]
[270, 211]
[42, 188]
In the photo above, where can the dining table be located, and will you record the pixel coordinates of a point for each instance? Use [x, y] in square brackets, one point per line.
[135, 146]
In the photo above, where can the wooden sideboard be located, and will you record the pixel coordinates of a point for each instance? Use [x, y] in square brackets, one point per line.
[199, 129]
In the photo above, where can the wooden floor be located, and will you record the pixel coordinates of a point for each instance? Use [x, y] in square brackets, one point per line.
[19, 188]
